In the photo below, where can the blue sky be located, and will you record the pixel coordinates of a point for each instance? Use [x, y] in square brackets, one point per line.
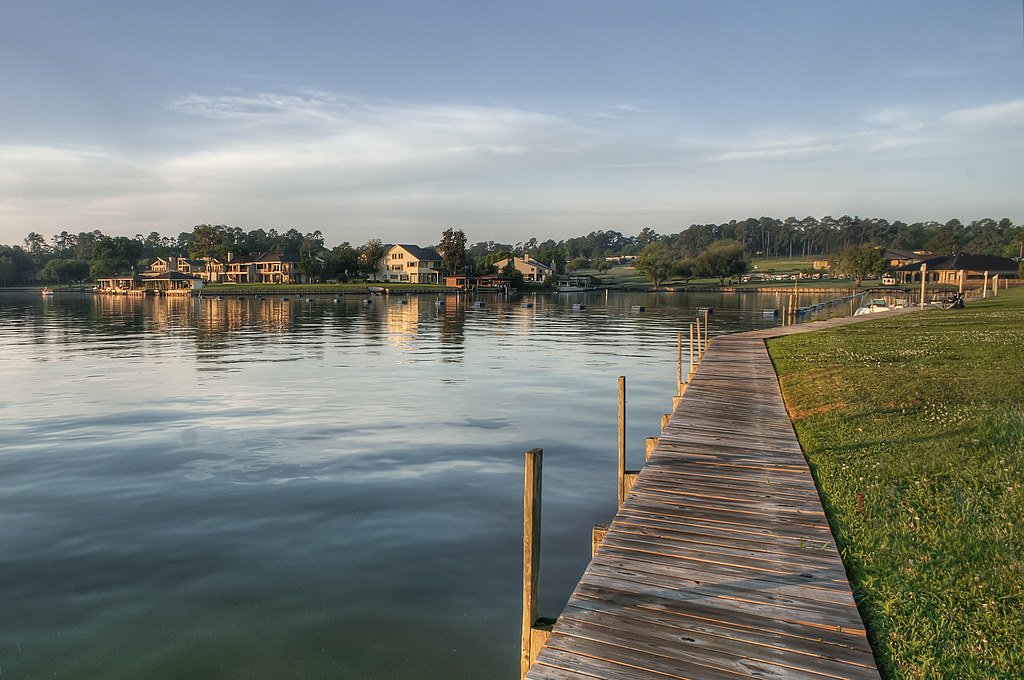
[395, 119]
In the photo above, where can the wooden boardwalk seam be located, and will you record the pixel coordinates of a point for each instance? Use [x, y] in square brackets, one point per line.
[719, 564]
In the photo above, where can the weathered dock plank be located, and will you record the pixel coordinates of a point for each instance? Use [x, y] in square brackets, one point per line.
[720, 563]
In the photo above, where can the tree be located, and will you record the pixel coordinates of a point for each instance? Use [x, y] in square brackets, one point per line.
[453, 251]
[577, 263]
[656, 262]
[858, 262]
[371, 256]
[111, 256]
[311, 267]
[553, 256]
[515, 276]
[209, 241]
[342, 263]
[63, 270]
[725, 258]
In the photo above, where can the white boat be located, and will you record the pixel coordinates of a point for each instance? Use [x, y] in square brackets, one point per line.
[875, 305]
[47, 291]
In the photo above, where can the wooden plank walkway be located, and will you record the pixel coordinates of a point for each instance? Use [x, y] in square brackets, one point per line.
[720, 563]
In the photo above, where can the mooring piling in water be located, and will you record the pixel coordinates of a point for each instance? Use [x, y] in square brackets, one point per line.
[535, 630]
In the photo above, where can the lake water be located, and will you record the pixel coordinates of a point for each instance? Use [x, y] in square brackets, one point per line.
[291, 489]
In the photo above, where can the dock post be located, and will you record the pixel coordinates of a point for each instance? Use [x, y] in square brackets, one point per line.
[679, 363]
[650, 443]
[622, 438]
[700, 352]
[690, 375]
[705, 334]
[534, 636]
[984, 291]
[665, 417]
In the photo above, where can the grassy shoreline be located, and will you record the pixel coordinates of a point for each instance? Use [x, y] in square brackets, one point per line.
[913, 428]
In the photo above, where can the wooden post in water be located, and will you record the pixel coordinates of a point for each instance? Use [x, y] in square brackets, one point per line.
[650, 443]
[535, 634]
[961, 283]
[531, 550]
[995, 285]
[679, 346]
[705, 332]
[690, 375]
[665, 418]
[984, 291]
[622, 438]
[698, 339]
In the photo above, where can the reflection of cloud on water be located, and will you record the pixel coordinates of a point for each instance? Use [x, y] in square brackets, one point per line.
[489, 423]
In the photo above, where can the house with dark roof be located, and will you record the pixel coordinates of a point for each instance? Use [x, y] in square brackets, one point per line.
[975, 269]
[272, 267]
[531, 269]
[404, 263]
[151, 283]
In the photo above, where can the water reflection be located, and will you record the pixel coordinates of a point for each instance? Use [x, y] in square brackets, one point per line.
[220, 488]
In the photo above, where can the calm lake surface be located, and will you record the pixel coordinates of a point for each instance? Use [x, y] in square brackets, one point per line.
[291, 489]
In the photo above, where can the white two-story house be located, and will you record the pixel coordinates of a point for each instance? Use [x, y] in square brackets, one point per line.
[405, 263]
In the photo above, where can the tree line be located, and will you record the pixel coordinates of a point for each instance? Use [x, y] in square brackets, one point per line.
[699, 250]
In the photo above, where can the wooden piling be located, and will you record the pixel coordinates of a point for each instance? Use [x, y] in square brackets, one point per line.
[679, 363]
[665, 417]
[531, 554]
[600, 531]
[650, 443]
[622, 438]
[690, 375]
[699, 349]
[705, 333]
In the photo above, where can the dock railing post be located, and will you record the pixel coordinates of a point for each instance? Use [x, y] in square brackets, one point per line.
[679, 346]
[705, 334]
[622, 438]
[531, 552]
[699, 350]
[688, 377]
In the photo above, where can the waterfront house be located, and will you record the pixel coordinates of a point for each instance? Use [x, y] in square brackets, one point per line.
[404, 263]
[531, 269]
[272, 267]
[949, 268]
[151, 283]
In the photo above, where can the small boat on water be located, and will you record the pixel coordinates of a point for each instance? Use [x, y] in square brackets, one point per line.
[872, 307]
[47, 291]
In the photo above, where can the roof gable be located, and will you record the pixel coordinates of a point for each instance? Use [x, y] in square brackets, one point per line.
[966, 261]
[419, 253]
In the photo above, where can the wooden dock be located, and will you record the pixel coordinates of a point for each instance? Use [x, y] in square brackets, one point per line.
[720, 563]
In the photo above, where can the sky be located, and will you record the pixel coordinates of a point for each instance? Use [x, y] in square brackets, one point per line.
[397, 119]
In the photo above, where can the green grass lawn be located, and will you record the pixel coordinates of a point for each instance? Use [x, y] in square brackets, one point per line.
[913, 428]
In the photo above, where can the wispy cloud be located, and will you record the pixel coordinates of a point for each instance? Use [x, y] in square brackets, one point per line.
[998, 114]
[779, 152]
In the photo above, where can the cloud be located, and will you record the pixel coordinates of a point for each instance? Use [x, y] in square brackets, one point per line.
[776, 153]
[999, 114]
